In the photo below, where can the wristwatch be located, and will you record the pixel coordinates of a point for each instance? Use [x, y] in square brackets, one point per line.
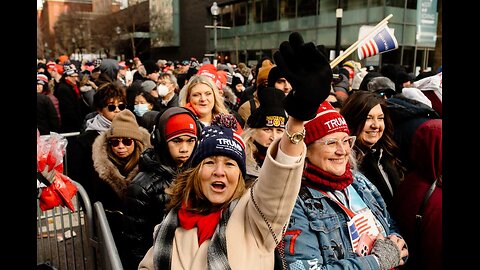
[296, 137]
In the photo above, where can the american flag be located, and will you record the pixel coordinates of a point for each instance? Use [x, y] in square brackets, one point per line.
[382, 41]
[358, 226]
[363, 231]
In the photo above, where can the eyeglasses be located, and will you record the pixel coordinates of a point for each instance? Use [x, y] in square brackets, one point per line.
[331, 144]
[124, 141]
[112, 107]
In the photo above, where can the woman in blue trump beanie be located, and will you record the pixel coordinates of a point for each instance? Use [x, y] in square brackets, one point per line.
[214, 221]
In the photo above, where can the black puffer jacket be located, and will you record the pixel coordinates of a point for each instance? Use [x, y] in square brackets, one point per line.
[145, 206]
[145, 199]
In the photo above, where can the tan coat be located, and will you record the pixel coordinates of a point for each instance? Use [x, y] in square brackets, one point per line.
[245, 109]
[250, 244]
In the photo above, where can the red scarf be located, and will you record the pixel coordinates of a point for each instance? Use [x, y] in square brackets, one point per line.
[205, 224]
[317, 178]
[75, 87]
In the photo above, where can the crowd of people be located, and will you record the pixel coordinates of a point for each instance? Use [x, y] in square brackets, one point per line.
[287, 164]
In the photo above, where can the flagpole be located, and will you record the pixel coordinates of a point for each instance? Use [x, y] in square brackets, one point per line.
[355, 45]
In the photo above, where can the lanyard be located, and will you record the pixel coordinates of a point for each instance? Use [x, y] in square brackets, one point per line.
[347, 211]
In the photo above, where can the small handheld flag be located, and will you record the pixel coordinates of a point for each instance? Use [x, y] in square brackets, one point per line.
[382, 41]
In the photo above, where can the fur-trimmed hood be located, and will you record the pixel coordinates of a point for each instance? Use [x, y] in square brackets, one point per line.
[106, 170]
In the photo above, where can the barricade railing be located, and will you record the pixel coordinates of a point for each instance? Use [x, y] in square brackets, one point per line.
[76, 240]
[107, 248]
[63, 236]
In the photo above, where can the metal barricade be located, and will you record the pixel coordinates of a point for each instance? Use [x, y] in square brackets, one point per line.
[63, 236]
[76, 240]
[106, 244]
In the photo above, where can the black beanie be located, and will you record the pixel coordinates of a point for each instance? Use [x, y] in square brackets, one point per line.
[270, 112]
[221, 141]
[273, 76]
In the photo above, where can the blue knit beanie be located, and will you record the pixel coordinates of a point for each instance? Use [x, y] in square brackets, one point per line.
[220, 141]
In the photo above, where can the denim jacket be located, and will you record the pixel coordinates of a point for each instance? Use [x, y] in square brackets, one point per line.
[318, 236]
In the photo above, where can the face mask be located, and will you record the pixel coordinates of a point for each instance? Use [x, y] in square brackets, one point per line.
[162, 90]
[140, 109]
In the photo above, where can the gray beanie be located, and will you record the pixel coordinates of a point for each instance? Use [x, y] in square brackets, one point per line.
[380, 83]
[148, 86]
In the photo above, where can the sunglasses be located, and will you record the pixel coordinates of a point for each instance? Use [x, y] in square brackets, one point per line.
[124, 141]
[384, 94]
[112, 107]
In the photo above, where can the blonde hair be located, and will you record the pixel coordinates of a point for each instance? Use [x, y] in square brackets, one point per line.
[184, 95]
[187, 187]
[250, 148]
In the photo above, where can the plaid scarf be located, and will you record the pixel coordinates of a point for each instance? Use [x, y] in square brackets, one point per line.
[217, 250]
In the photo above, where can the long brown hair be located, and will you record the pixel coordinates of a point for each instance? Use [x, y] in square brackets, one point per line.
[186, 188]
[355, 111]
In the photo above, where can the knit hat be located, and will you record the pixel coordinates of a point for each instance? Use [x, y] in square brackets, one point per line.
[273, 76]
[263, 71]
[51, 65]
[124, 125]
[69, 71]
[223, 77]
[180, 124]
[327, 121]
[270, 113]
[220, 141]
[210, 71]
[42, 79]
[148, 86]
[379, 84]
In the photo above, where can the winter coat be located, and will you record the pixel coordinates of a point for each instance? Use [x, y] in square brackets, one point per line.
[72, 107]
[426, 244]
[80, 165]
[374, 164]
[145, 199]
[318, 237]
[406, 115]
[47, 119]
[250, 244]
[171, 103]
[145, 203]
[110, 185]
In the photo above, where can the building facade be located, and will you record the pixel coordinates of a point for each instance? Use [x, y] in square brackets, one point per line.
[180, 29]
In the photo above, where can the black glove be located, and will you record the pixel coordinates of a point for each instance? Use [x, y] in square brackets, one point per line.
[309, 73]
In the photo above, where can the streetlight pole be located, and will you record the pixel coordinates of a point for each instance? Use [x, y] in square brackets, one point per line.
[339, 15]
[214, 10]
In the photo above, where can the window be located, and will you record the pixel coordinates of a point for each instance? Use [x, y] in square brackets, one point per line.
[307, 8]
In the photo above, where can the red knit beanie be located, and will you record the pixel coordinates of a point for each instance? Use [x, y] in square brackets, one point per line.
[327, 121]
[180, 124]
[210, 71]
